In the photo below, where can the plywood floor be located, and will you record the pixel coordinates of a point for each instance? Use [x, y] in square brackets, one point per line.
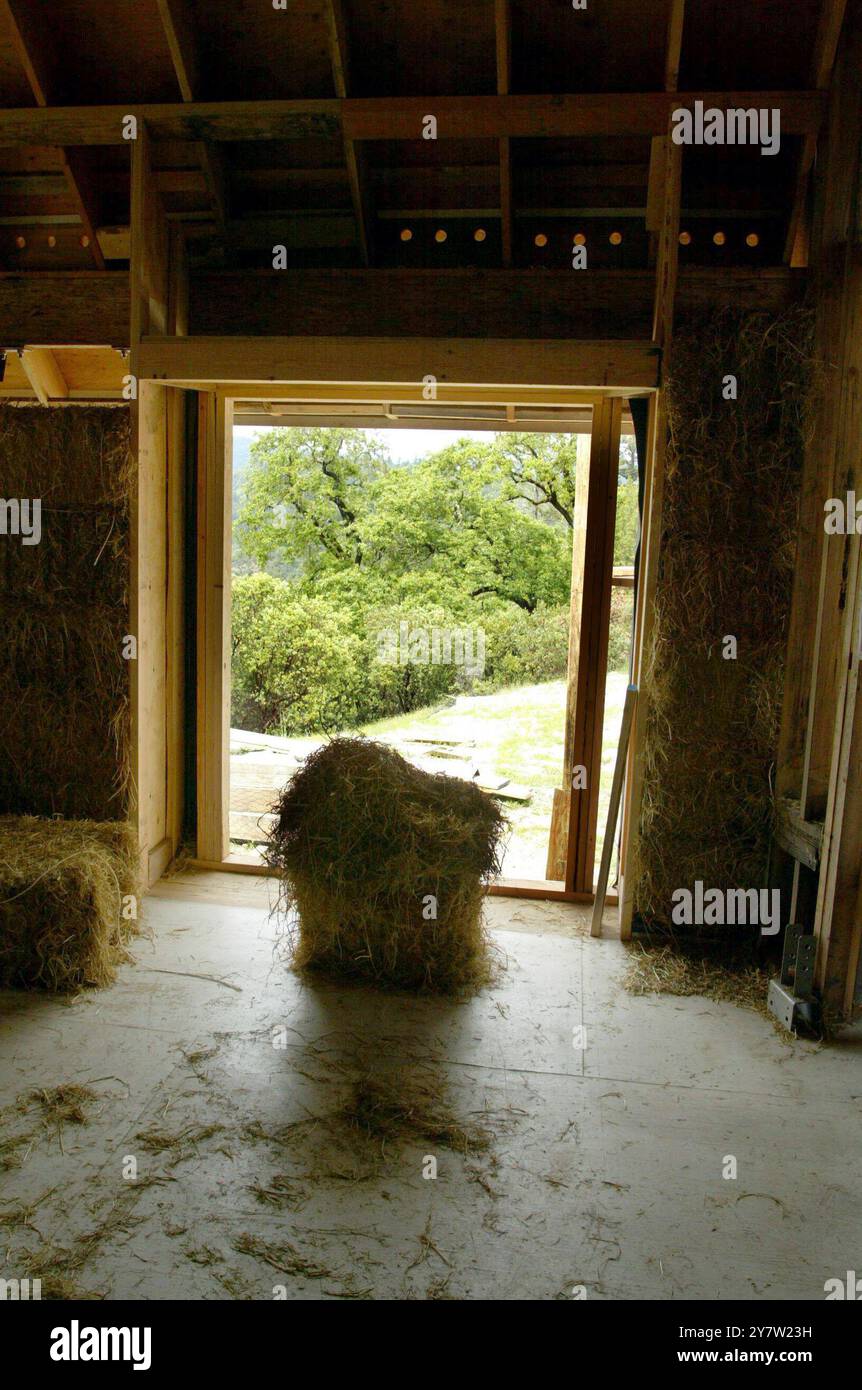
[604, 1172]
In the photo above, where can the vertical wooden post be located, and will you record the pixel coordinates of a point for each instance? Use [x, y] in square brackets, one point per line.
[820, 749]
[592, 571]
[149, 285]
[214, 579]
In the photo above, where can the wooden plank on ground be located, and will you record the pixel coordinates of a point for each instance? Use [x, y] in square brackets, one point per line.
[613, 810]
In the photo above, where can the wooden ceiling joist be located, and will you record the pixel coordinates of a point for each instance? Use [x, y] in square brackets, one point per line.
[354, 157]
[386, 118]
[44, 375]
[178, 28]
[26, 41]
[503, 33]
[676, 22]
[825, 49]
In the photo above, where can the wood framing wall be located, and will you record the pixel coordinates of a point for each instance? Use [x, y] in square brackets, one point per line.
[157, 539]
[820, 751]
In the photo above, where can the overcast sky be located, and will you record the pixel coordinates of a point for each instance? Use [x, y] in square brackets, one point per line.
[403, 444]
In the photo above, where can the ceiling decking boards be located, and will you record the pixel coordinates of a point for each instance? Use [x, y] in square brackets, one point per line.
[303, 126]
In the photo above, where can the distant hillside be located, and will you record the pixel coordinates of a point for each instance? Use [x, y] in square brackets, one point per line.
[241, 455]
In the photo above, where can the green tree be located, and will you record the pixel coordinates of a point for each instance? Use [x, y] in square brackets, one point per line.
[448, 517]
[304, 493]
[537, 470]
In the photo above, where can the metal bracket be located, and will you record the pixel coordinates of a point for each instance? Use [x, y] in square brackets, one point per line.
[791, 997]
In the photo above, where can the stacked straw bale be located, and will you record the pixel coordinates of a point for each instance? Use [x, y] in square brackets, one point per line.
[727, 556]
[67, 855]
[64, 604]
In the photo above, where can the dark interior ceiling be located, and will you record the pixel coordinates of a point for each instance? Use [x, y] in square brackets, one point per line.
[414, 203]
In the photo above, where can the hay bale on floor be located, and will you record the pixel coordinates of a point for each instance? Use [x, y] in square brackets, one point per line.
[369, 849]
[62, 885]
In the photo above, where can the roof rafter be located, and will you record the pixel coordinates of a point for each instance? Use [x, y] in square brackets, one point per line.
[825, 49]
[44, 375]
[179, 32]
[26, 41]
[503, 34]
[357, 174]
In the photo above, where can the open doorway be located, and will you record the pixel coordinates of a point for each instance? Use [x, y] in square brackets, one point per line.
[414, 585]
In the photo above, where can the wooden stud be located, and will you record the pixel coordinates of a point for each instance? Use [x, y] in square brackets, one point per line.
[213, 637]
[592, 571]
[796, 246]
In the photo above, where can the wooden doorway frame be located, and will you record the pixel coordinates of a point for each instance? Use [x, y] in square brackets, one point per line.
[592, 570]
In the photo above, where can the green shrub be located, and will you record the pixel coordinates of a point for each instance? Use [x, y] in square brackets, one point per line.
[396, 636]
[296, 668]
[524, 648]
[620, 636]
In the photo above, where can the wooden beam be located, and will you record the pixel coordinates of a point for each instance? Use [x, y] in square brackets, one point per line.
[487, 303]
[354, 158]
[215, 429]
[503, 36]
[87, 308]
[179, 32]
[796, 246]
[655, 184]
[506, 205]
[668, 249]
[796, 836]
[176, 23]
[644, 113]
[673, 50]
[592, 571]
[68, 308]
[26, 41]
[149, 266]
[388, 394]
[397, 118]
[44, 375]
[181, 361]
